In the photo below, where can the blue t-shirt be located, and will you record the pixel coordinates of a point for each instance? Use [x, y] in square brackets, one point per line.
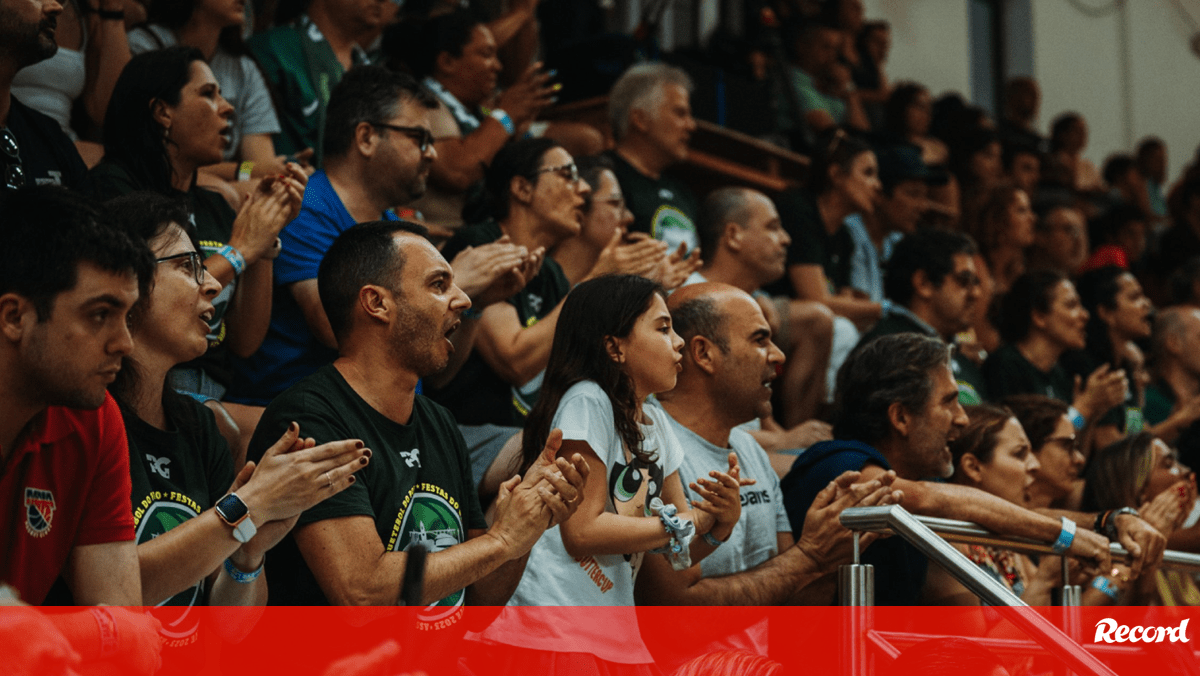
[290, 351]
[899, 567]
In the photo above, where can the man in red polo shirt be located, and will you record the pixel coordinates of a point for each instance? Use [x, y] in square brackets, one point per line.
[67, 282]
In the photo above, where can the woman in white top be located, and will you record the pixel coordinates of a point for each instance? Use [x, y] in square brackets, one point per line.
[613, 348]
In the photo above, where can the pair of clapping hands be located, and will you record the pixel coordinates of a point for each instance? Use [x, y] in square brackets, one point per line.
[636, 253]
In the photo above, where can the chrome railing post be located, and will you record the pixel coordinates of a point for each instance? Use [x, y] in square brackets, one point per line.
[856, 589]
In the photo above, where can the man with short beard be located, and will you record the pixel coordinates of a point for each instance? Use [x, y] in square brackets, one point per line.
[392, 304]
[33, 149]
[896, 410]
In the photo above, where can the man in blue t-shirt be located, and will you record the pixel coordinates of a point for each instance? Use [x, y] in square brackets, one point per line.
[897, 409]
[378, 152]
[377, 155]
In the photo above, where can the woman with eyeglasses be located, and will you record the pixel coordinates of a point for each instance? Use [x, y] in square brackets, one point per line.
[534, 194]
[1054, 440]
[188, 495]
[604, 242]
[166, 120]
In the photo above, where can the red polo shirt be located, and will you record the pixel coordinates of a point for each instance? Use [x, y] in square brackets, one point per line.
[65, 484]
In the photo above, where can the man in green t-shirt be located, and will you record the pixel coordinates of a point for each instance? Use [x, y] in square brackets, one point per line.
[651, 115]
[304, 60]
[392, 304]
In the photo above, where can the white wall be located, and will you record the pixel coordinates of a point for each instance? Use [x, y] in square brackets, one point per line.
[930, 42]
[1079, 62]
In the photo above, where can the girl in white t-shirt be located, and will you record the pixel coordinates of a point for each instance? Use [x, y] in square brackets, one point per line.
[613, 347]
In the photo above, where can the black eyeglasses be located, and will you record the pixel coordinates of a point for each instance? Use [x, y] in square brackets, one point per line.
[569, 172]
[14, 173]
[195, 264]
[422, 136]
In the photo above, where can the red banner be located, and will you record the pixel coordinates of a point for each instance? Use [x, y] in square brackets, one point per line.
[808, 640]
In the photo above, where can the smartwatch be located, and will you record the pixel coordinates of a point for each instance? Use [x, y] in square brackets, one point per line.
[234, 512]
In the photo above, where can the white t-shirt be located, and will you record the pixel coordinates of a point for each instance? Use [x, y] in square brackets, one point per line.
[763, 516]
[555, 578]
[242, 84]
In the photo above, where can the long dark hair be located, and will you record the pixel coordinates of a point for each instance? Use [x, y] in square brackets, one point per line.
[595, 311]
[144, 216]
[1100, 288]
[132, 137]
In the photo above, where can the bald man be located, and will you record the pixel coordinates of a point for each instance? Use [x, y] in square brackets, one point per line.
[729, 362]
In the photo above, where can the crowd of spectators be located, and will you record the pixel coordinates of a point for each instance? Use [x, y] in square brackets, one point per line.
[302, 295]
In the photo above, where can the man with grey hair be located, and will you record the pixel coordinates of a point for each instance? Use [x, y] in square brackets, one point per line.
[1173, 398]
[897, 410]
[651, 115]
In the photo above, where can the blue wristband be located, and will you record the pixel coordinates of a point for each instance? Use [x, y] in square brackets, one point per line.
[505, 121]
[472, 313]
[1065, 537]
[1077, 419]
[1102, 584]
[239, 576]
[708, 537]
[235, 258]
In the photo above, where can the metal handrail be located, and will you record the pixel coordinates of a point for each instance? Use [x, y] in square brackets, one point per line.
[967, 533]
[897, 520]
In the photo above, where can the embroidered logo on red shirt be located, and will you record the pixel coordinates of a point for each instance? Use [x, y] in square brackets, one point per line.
[39, 511]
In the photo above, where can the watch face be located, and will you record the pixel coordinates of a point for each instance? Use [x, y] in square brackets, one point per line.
[231, 508]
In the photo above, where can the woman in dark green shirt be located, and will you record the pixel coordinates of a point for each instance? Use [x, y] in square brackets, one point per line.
[181, 466]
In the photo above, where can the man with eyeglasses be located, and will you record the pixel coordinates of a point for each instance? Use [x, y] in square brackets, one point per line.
[33, 149]
[377, 156]
[378, 153]
[933, 286]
